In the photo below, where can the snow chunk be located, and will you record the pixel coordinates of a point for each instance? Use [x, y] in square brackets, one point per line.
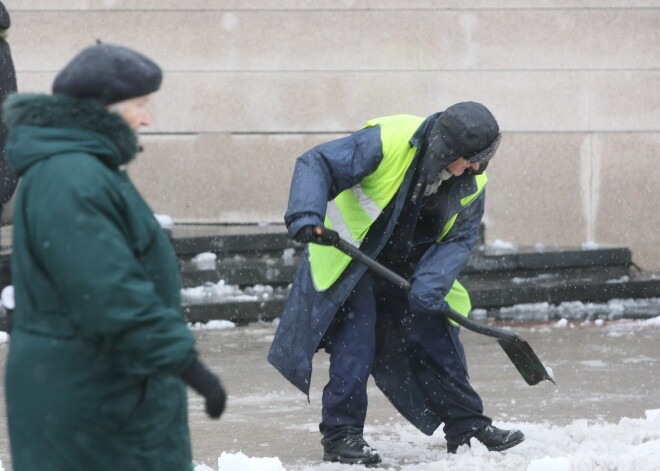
[204, 260]
[166, 222]
[501, 244]
[213, 324]
[550, 464]
[240, 462]
[590, 246]
[478, 314]
[7, 297]
[288, 257]
[654, 321]
[652, 415]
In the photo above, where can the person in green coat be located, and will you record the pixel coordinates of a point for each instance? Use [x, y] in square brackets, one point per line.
[100, 354]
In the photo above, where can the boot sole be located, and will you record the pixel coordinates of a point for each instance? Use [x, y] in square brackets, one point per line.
[336, 458]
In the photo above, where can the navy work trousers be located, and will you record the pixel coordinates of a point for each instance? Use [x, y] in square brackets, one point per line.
[351, 342]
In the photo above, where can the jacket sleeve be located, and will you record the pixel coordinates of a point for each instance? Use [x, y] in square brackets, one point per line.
[328, 169]
[83, 242]
[440, 265]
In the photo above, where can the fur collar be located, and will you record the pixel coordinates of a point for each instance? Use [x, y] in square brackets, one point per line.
[59, 111]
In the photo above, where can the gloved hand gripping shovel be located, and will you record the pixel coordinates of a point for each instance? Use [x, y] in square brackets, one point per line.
[518, 350]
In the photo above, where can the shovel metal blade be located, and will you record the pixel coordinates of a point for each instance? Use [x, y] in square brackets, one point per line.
[525, 360]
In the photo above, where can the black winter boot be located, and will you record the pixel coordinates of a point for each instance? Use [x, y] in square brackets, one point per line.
[352, 449]
[495, 439]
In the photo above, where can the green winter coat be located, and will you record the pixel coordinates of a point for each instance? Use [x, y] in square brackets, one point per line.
[98, 338]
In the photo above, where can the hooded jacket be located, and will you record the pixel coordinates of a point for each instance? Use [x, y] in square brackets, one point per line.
[98, 338]
[431, 257]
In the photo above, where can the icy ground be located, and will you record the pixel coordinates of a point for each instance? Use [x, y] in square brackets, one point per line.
[627, 444]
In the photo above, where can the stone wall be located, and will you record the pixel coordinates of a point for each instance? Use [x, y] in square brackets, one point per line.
[250, 85]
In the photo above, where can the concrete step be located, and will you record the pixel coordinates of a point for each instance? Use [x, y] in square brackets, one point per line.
[238, 312]
[247, 255]
[561, 288]
[239, 270]
[230, 239]
[487, 259]
[249, 258]
[242, 270]
[495, 299]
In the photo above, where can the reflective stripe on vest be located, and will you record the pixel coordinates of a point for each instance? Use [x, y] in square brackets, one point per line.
[459, 300]
[353, 211]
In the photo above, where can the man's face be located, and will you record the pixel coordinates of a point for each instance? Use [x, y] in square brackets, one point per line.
[460, 165]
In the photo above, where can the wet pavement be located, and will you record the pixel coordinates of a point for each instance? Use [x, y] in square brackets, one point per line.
[604, 372]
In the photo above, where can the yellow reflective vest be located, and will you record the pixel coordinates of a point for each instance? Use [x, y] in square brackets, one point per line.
[354, 210]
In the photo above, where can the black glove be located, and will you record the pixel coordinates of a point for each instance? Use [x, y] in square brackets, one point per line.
[207, 384]
[317, 234]
[305, 234]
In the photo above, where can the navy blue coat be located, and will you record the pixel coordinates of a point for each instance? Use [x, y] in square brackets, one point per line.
[320, 175]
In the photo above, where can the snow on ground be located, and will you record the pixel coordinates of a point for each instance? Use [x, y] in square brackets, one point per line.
[630, 445]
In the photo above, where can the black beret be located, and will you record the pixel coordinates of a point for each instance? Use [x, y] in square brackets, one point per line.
[108, 73]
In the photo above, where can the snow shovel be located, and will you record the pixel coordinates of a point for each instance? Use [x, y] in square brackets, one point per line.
[518, 350]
